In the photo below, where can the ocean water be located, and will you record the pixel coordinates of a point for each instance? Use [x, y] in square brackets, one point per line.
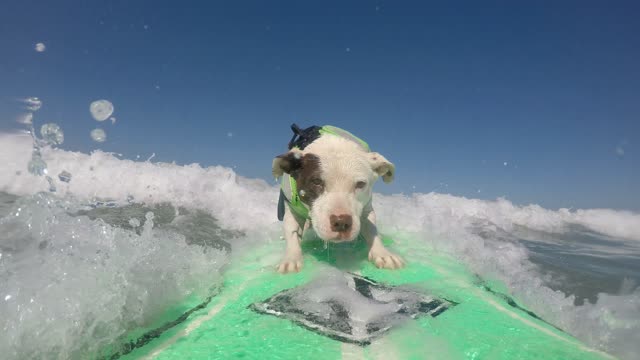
[118, 242]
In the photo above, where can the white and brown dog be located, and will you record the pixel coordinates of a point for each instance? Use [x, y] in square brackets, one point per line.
[334, 177]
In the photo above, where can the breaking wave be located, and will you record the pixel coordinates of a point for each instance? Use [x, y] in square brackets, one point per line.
[120, 241]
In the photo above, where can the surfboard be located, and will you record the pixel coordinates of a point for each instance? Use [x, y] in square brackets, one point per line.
[340, 306]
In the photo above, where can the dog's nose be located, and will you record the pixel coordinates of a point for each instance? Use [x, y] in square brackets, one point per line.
[341, 223]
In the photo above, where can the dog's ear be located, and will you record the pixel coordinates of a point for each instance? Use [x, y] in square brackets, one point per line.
[382, 166]
[286, 163]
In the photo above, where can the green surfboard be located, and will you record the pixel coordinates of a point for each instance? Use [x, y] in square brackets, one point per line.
[480, 320]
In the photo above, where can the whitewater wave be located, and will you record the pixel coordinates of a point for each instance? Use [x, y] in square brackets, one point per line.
[467, 228]
[104, 176]
[76, 284]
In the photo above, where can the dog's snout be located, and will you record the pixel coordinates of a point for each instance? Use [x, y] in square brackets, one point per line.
[341, 223]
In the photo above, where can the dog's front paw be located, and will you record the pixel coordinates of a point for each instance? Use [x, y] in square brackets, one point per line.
[385, 259]
[290, 263]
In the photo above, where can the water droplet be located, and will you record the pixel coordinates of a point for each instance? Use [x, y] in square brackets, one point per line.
[37, 166]
[7, 298]
[134, 222]
[52, 134]
[348, 49]
[229, 134]
[26, 118]
[101, 110]
[52, 186]
[148, 224]
[113, 119]
[40, 47]
[64, 176]
[32, 103]
[98, 135]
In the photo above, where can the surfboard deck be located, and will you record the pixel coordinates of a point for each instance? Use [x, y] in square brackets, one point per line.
[485, 322]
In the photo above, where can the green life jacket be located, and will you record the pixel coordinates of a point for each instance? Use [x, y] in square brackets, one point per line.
[302, 138]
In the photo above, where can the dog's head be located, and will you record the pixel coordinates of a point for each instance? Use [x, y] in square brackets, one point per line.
[335, 179]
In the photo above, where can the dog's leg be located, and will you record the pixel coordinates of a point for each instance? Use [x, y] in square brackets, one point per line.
[378, 254]
[292, 260]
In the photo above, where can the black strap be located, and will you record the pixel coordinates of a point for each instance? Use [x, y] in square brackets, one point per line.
[281, 201]
[301, 138]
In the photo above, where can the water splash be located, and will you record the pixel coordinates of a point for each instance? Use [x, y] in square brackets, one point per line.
[101, 110]
[78, 283]
[52, 134]
[36, 165]
[98, 135]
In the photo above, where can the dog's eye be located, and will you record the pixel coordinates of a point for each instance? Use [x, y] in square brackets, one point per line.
[316, 181]
[361, 185]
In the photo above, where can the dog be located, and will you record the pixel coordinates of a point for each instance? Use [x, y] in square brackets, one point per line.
[334, 173]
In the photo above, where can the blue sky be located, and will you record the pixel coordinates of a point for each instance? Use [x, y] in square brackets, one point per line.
[449, 91]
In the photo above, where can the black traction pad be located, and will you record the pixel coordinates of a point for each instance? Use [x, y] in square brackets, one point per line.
[350, 308]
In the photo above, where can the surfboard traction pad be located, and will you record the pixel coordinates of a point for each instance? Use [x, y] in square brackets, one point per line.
[391, 305]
